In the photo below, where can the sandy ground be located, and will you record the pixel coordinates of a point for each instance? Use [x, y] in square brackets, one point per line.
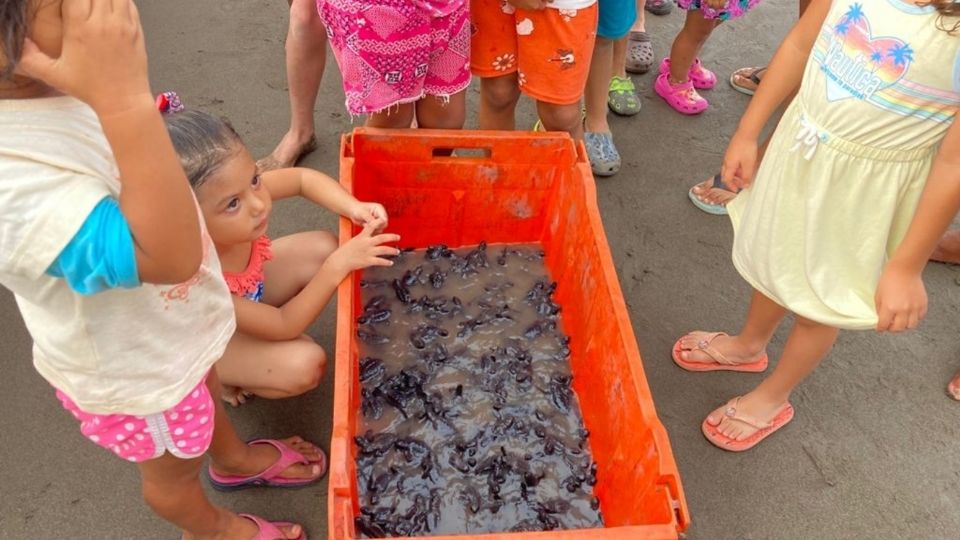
[873, 452]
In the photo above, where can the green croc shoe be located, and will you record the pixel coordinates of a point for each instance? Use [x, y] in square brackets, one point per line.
[622, 97]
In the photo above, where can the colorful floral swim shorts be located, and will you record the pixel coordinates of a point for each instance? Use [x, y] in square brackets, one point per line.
[397, 51]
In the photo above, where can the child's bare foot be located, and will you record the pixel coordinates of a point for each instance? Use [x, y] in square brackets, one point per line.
[708, 192]
[751, 408]
[292, 147]
[260, 457]
[234, 395]
[953, 388]
[703, 348]
[948, 249]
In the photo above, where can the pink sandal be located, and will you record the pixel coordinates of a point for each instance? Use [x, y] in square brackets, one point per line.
[269, 530]
[270, 477]
[783, 416]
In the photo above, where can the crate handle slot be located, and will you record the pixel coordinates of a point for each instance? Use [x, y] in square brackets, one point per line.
[462, 152]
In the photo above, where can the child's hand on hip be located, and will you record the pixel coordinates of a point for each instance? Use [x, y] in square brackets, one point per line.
[901, 300]
[529, 5]
[717, 4]
[103, 60]
[739, 163]
[364, 250]
[363, 213]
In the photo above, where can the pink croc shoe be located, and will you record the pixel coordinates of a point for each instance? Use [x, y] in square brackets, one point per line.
[682, 97]
[701, 77]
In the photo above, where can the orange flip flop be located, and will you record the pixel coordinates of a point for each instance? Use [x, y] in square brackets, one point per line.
[784, 415]
[720, 362]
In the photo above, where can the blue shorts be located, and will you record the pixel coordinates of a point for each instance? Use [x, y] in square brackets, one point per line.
[616, 18]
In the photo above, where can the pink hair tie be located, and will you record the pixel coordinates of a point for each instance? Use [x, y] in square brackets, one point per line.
[169, 102]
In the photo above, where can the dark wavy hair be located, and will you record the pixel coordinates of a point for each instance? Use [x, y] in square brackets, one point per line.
[949, 19]
[203, 142]
[13, 28]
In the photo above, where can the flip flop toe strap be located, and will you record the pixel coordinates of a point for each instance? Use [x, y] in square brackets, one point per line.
[731, 413]
[288, 457]
[704, 344]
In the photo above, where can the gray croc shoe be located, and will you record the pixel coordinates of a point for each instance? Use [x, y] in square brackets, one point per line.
[640, 58]
[659, 7]
[604, 158]
[622, 96]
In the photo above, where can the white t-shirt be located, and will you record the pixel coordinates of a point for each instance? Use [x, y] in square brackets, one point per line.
[123, 351]
[565, 5]
[571, 4]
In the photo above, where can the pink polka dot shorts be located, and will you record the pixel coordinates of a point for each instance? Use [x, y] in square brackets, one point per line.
[184, 430]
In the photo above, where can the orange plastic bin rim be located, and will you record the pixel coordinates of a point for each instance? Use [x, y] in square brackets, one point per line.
[509, 187]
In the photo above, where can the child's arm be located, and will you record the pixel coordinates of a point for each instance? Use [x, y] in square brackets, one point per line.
[901, 297]
[322, 190]
[103, 63]
[292, 319]
[779, 82]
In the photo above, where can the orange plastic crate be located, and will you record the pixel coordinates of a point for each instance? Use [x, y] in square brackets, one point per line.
[509, 187]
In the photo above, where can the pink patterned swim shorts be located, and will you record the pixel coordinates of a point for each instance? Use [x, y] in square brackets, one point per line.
[397, 51]
[185, 430]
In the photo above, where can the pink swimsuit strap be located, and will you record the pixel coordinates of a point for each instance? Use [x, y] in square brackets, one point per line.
[249, 280]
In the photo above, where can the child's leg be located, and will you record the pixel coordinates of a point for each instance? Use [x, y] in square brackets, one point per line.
[231, 456]
[567, 118]
[554, 62]
[296, 259]
[279, 369]
[808, 343]
[434, 112]
[171, 486]
[598, 86]
[306, 58]
[763, 318]
[686, 46]
[270, 369]
[498, 102]
[397, 117]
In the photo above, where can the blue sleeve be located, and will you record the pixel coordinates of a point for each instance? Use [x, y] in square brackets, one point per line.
[101, 255]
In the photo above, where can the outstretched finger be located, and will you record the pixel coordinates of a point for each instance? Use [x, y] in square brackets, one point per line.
[35, 64]
[386, 238]
[77, 10]
[913, 320]
[884, 317]
[369, 228]
[898, 323]
[386, 251]
[379, 261]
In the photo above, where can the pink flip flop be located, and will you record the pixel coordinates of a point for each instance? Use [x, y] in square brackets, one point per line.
[784, 415]
[270, 530]
[270, 477]
[720, 362]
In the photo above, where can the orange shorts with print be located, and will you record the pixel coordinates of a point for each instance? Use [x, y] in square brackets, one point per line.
[550, 49]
